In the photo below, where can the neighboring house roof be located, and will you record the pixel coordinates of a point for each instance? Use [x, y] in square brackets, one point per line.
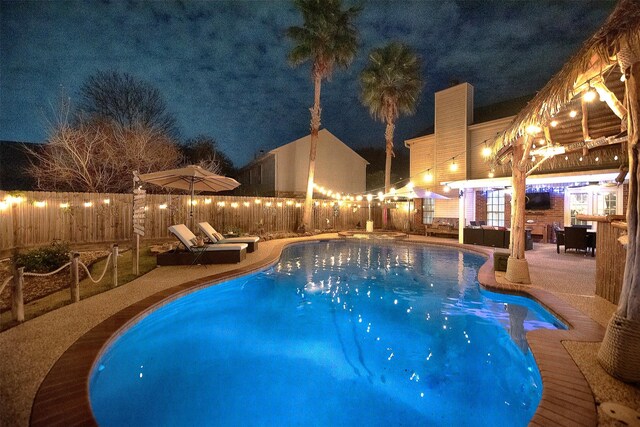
[487, 113]
[321, 134]
[14, 161]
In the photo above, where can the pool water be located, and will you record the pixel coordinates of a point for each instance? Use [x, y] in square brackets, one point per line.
[337, 333]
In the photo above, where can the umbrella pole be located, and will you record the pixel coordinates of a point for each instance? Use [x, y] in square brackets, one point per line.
[191, 205]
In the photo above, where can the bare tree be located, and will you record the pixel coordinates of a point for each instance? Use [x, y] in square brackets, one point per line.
[97, 155]
[204, 152]
[127, 101]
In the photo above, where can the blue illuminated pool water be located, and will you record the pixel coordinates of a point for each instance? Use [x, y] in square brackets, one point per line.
[337, 333]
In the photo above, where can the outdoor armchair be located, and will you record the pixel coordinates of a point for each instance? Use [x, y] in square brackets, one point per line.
[575, 238]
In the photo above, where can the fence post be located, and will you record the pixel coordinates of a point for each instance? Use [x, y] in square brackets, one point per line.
[75, 278]
[17, 298]
[114, 259]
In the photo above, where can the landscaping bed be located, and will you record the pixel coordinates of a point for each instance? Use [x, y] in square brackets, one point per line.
[38, 287]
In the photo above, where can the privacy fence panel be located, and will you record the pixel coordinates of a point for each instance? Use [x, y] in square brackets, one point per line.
[38, 218]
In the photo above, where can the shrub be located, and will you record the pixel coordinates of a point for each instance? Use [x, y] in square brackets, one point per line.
[44, 259]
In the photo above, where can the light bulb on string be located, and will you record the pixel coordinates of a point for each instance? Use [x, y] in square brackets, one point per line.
[486, 151]
[573, 113]
[554, 123]
[454, 166]
[428, 177]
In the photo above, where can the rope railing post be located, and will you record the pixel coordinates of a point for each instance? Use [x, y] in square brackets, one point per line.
[114, 259]
[75, 277]
[17, 296]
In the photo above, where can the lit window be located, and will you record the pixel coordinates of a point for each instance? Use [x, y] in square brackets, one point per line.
[495, 208]
[428, 210]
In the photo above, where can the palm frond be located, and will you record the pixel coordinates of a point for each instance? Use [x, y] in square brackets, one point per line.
[391, 83]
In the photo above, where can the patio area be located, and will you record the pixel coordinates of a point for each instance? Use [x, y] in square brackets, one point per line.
[31, 349]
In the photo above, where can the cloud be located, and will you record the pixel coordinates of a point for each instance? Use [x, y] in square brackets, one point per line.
[222, 68]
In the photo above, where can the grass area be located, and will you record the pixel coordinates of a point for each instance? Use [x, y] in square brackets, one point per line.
[87, 287]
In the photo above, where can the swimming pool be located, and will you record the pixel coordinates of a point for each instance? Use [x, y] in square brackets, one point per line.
[337, 333]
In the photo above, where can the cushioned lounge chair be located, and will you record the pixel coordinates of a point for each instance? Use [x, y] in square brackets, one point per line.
[217, 238]
[219, 253]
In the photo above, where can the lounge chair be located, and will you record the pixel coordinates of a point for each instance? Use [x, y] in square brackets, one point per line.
[218, 238]
[219, 253]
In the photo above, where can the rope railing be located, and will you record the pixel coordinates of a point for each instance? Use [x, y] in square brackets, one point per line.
[103, 272]
[47, 274]
[17, 299]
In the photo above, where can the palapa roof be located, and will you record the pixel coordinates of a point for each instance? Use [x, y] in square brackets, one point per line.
[596, 57]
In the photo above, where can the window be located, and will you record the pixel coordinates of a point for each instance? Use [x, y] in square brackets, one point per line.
[428, 210]
[579, 203]
[592, 200]
[495, 208]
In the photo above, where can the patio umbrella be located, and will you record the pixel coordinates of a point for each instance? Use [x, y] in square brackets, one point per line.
[408, 192]
[190, 178]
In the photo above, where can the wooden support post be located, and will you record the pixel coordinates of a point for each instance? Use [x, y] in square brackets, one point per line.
[135, 254]
[17, 296]
[114, 270]
[517, 267]
[585, 125]
[75, 277]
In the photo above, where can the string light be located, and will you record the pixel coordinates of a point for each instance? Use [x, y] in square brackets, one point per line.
[615, 157]
[194, 202]
[246, 204]
[589, 95]
[257, 201]
[533, 129]
[491, 174]
[106, 201]
[279, 204]
[298, 205]
[88, 204]
[64, 205]
[289, 202]
[234, 205]
[542, 141]
[4, 205]
[221, 204]
[573, 113]
[268, 204]
[163, 206]
[207, 201]
[554, 123]
[40, 204]
[454, 166]
[428, 177]
[446, 188]
[597, 158]
[486, 151]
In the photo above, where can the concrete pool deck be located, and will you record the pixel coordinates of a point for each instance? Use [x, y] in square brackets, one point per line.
[43, 360]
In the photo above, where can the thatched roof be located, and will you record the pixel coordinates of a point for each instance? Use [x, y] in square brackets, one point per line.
[593, 58]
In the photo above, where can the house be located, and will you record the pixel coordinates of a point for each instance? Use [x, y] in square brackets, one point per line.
[452, 159]
[282, 172]
[14, 163]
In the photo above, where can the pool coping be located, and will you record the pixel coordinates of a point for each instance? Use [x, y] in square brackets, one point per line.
[567, 399]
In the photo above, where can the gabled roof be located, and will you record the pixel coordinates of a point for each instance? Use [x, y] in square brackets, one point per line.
[321, 133]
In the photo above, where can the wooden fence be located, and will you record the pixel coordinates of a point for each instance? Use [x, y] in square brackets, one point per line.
[38, 218]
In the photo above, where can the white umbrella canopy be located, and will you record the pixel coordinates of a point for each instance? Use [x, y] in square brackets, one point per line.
[413, 192]
[190, 178]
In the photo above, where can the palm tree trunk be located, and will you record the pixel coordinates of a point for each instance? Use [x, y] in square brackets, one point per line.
[313, 146]
[630, 295]
[388, 135]
[517, 267]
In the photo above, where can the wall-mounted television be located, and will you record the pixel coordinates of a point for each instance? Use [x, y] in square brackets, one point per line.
[537, 201]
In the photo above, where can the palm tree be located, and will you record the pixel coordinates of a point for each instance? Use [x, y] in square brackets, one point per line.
[391, 84]
[327, 38]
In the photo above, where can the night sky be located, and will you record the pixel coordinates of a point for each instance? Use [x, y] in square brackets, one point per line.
[221, 65]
